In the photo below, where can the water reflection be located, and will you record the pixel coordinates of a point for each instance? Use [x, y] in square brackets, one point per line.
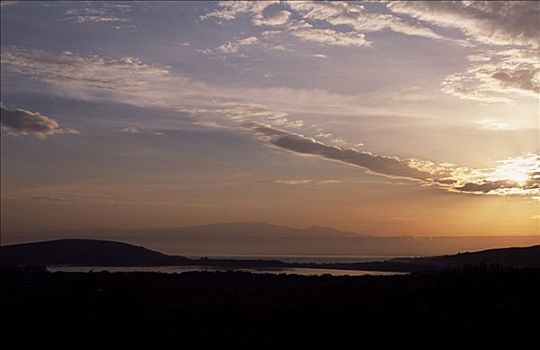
[181, 269]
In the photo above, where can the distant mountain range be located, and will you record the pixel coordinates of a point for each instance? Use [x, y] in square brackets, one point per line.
[249, 229]
[108, 253]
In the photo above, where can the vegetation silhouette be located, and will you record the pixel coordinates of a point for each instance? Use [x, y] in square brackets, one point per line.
[487, 298]
[482, 306]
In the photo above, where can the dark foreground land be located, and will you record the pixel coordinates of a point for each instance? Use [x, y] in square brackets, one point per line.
[467, 307]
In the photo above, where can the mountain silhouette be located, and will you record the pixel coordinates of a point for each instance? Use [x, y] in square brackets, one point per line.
[249, 229]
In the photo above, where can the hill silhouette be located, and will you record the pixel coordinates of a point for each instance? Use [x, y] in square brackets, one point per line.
[258, 238]
[515, 256]
[84, 252]
[110, 253]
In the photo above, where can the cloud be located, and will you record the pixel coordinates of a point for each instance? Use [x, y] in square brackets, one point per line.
[129, 130]
[89, 77]
[47, 198]
[93, 13]
[522, 79]
[491, 124]
[8, 3]
[329, 182]
[240, 114]
[492, 22]
[307, 32]
[270, 33]
[229, 10]
[279, 18]
[319, 55]
[388, 166]
[478, 58]
[22, 122]
[293, 182]
[135, 131]
[514, 176]
[332, 14]
[233, 46]
[306, 181]
[483, 187]
[493, 79]
[492, 75]
[95, 18]
[131, 81]
[91, 72]
[80, 194]
[357, 17]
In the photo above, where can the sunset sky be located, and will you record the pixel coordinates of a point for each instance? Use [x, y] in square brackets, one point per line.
[413, 118]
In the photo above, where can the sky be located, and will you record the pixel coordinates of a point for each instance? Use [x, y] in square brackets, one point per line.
[391, 118]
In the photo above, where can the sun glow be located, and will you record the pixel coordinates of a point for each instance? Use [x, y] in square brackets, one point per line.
[519, 170]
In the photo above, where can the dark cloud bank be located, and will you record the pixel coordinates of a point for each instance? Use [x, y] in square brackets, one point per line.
[22, 122]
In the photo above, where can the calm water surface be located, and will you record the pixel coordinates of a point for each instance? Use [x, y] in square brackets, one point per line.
[303, 258]
[181, 269]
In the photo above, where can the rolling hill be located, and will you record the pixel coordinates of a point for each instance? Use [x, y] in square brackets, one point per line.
[84, 252]
[109, 253]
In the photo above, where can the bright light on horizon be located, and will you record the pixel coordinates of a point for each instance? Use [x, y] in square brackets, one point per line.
[519, 170]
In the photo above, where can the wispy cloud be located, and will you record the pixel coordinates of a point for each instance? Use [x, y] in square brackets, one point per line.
[309, 14]
[491, 78]
[307, 32]
[493, 74]
[96, 12]
[89, 72]
[491, 124]
[132, 81]
[293, 182]
[129, 80]
[72, 196]
[488, 79]
[358, 17]
[234, 46]
[229, 10]
[129, 130]
[492, 22]
[8, 3]
[319, 55]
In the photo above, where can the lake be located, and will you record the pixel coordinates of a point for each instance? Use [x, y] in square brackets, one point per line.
[306, 258]
[181, 269]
